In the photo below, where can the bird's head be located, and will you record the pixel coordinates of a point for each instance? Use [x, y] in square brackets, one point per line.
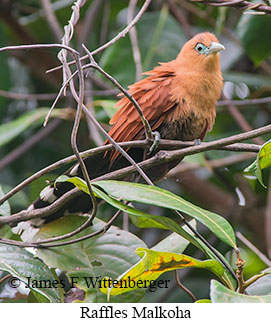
[201, 52]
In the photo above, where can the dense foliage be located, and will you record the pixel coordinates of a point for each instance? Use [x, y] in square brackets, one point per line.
[210, 187]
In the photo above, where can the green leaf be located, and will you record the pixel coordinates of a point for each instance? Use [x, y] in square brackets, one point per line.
[262, 161]
[107, 254]
[221, 294]
[6, 232]
[22, 264]
[264, 155]
[34, 297]
[144, 220]
[151, 266]
[156, 196]
[139, 218]
[31, 119]
[254, 32]
[174, 242]
[261, 286]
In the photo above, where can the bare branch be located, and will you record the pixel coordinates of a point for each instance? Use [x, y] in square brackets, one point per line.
[116, 38]
[37, 245]
[244, 102]
[242, 122]
[239, 4]
[164, 144]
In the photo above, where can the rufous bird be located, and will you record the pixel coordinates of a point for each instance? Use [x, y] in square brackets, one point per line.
[178, 98]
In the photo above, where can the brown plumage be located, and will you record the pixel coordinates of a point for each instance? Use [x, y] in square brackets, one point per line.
[182, 91]
[178, 99]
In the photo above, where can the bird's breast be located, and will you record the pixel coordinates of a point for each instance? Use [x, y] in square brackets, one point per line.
[189, 127]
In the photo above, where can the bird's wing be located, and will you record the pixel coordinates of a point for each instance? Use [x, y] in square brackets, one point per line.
[153, 96]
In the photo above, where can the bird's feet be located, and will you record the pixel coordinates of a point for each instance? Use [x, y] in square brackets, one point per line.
[197, 142]
[156, 142]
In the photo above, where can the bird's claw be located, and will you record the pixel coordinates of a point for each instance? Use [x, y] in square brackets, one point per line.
[156, 142]
[197, 142]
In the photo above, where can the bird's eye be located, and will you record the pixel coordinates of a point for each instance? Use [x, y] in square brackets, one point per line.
[200, 48]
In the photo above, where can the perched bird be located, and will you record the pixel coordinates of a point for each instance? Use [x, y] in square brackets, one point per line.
[178, 99]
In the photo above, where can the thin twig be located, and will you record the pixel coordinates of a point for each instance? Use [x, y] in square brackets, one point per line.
[242, 122]
[166, 156]
[37, 245]
[68, 34]
[164, 144]
[200, 237]
[39, 46]
[72, 233]
[26, 215]
[116, 38]
[185, 289]
[4, 278]
[244, 102]
[74, 135]
[239, 4]
[84, 36]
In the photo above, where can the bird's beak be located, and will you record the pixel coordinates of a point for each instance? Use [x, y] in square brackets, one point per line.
[214, 48]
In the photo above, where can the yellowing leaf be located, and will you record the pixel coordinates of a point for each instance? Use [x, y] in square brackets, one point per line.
[150, 267]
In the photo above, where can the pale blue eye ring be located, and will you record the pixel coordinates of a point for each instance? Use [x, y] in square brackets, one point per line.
[200, 48]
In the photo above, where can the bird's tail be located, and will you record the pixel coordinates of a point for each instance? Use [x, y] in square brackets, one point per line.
[97, 165]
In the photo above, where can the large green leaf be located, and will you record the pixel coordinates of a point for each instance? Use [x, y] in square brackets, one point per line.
[22, 264]
[144, 220]
[221, 294]
[108, 254]
[255, 31]
[261, 286]
[156, 196]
